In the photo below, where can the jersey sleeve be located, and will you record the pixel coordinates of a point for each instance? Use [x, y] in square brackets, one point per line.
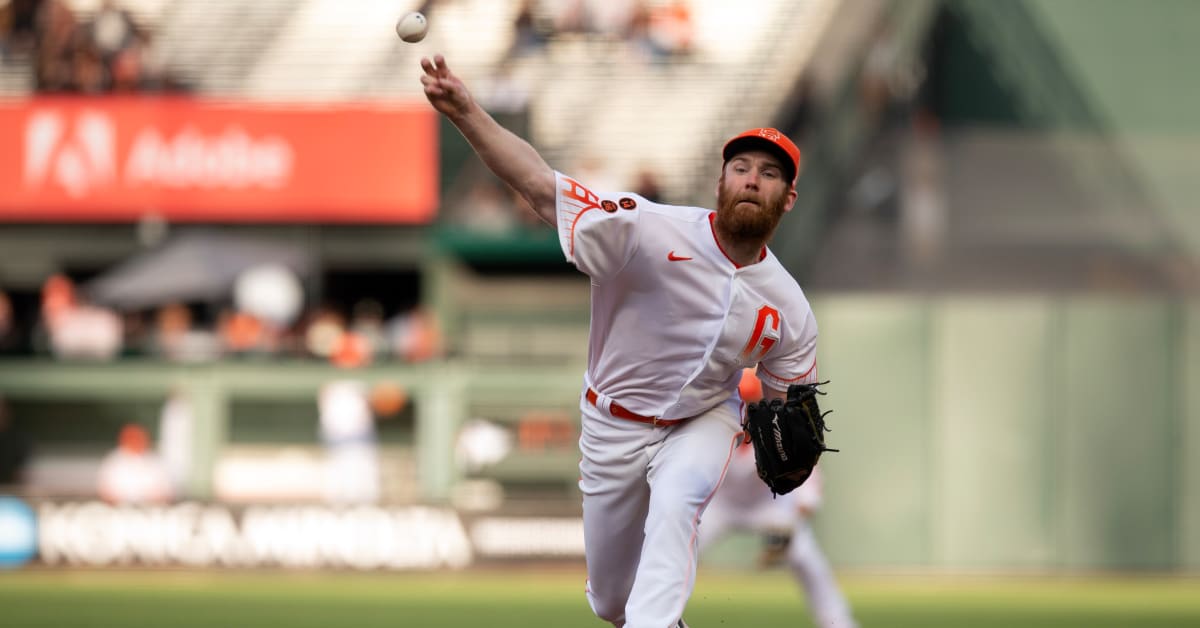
[795, 362]
[596, 234]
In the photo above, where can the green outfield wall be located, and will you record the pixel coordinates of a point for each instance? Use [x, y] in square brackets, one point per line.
[1013, 433]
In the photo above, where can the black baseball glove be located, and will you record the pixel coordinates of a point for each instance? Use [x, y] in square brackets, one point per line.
[788, 436]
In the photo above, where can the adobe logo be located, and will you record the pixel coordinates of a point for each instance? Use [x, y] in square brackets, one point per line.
[77, 155]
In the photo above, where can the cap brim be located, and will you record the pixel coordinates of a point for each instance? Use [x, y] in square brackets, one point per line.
[743, 144]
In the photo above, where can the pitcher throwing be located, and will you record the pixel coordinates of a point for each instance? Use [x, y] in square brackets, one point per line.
[683, 298]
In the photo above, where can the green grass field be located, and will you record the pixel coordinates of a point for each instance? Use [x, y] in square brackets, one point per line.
[528, 598]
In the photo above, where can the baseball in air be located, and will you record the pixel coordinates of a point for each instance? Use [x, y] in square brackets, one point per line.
[412, 27]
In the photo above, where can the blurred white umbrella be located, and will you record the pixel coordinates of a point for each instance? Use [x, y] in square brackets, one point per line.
[272, 292]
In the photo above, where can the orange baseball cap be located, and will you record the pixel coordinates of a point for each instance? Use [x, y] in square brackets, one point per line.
[771, 140]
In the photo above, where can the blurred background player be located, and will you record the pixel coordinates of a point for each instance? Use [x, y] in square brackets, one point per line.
[347, 426]
[176, 424]
[133, 473]
[744, 503]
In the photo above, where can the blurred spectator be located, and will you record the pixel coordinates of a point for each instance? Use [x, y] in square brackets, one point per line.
[112, 29]
[53, 64]
[325, 326]
[593, 170]
[241, 333]
[77, 329]
[486, 208]
[350, 350]
[89, 75]
[131, 473]
[671, 30]
[505, 93]
[18, 27]
[646, 184]
[529, 35]
[327, 335]
[347, 429]
[415, 336]
[109, 53]
[175, 336]
[127, 72]
[639, 30]
[10, 335]
[15, 448]
[572, 17]
[172, 323]
[366, 321]
[611, 19]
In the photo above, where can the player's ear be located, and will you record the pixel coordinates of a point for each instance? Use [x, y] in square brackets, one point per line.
[791, 200]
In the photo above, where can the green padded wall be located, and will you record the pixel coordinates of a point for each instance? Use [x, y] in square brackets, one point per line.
[875, 353]
[1188, 488]
[1118, 444]
[994, 434]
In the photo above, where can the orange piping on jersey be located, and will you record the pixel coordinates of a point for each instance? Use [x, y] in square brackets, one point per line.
[812, 370]
[712, 218]
[733, 445]
[588, 199]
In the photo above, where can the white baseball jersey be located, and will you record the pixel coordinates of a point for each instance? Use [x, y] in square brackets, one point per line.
[674, 320]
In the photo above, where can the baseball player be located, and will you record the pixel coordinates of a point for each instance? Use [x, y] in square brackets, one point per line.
[745, 503]
[683, 298]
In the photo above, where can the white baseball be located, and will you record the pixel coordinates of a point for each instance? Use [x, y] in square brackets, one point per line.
[412, 26]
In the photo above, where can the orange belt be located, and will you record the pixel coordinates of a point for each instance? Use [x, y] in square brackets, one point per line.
[620, 412]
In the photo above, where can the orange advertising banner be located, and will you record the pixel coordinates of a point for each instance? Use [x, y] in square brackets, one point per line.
[117, 159]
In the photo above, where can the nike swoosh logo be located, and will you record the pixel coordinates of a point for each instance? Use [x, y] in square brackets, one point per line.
[675, 258]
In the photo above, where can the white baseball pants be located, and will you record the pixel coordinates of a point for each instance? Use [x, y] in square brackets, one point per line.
[644, 489]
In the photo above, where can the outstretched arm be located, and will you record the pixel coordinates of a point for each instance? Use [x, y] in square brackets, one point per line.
[508, 156]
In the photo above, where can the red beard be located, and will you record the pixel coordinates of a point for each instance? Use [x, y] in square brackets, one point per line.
[752, 221]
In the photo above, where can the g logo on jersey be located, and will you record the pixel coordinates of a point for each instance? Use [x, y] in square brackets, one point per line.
[766, 334]
[608, 206]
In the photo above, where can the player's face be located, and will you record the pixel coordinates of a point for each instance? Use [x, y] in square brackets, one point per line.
[752, 195]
